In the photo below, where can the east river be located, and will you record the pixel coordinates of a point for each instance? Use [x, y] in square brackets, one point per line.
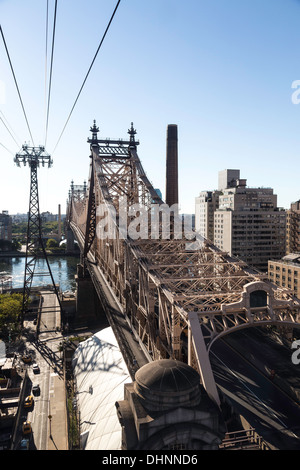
[63, 269]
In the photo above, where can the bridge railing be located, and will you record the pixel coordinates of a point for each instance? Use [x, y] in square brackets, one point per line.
[244, 439]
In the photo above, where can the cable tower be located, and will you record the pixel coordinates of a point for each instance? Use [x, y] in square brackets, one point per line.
[34, 157]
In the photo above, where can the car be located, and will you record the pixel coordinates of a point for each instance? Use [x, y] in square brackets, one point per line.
[35, 368]
[28, 401]
[24, 444]
[36, 389]
[26, 427]
[26, 358]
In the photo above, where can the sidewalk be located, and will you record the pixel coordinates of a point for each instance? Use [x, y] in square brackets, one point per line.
[58, 427]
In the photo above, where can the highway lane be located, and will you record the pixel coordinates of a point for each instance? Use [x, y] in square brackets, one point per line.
[38, 415]
[274, 415]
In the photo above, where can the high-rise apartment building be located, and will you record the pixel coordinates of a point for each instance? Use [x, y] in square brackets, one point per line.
[286, 272]
[5, 226]
[206, 204]
[246, 221]
[293, 228]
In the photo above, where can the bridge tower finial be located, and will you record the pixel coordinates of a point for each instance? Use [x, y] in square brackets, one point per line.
[94, 129]
[132, 133]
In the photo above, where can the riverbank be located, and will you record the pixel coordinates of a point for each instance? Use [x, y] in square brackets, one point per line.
[22, 254]
[63, 268]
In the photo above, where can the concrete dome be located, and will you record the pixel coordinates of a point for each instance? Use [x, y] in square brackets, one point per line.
[166, 384]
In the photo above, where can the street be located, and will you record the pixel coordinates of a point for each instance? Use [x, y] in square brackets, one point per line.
[45, 352]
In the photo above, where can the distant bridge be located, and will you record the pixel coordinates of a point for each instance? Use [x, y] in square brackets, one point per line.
[178, 291]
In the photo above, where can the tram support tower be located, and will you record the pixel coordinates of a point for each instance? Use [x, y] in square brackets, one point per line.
[34, 157]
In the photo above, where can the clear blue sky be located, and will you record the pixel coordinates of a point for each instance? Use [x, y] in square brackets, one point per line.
[222, 70]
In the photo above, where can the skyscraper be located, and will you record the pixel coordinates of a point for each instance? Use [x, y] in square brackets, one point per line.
[246, 221]
[293, 228]
[206, 204]
[5, 226]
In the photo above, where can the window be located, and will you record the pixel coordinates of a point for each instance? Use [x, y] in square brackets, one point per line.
[258, 298]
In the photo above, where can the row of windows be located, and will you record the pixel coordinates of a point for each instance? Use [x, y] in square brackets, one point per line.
[283, 278]
[283, 284]
[279, 268]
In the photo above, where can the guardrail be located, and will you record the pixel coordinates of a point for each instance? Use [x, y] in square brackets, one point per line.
[246, 439]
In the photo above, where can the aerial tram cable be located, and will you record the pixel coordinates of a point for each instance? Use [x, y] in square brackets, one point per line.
[51, 67]
[46, 58]
[8, 128]
[12, 69]
[9, 151]
[88, 72]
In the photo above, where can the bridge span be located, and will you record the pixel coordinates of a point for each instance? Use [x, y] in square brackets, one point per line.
[177, 291]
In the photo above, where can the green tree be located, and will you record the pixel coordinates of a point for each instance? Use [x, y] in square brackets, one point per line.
[16, 245]
[51, 243]
[10, 310]
[20, 228]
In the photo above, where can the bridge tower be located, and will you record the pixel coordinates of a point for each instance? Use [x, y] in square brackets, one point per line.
[33, 156]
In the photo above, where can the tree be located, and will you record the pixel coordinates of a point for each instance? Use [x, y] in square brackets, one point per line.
[6, 245]
[10, 311]
[16, 245]
[51, 243]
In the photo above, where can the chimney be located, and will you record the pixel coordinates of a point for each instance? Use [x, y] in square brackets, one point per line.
[172, 166]
[59, 224]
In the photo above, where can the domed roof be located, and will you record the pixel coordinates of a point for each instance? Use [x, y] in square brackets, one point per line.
[166, 384]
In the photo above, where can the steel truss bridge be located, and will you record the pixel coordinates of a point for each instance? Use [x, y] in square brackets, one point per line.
[178, 291]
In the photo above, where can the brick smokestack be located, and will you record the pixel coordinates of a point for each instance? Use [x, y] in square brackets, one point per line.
[172, 166]
[59, 224]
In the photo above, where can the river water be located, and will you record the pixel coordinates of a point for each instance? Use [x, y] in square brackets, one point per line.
[63, 269]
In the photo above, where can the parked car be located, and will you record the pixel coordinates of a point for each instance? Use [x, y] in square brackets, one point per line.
[24, 444]
[36, 389]
[26, 358]
[28, 401]
[26, 427]
[35, 368]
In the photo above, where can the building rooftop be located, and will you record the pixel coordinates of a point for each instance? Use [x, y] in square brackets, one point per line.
[166, 384]
[100, 373]
[292, 258]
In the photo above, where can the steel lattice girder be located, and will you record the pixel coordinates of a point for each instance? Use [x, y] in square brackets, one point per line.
[161, 284]
[34, 157]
